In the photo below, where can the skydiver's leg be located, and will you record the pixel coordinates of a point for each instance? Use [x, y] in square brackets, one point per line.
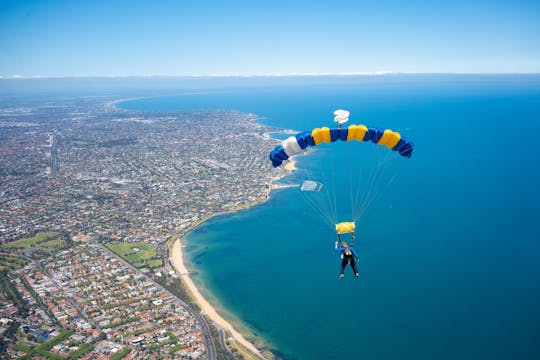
[353, 265]
[343, 264]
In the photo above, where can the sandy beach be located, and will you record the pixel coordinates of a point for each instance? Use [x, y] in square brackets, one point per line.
[182, 271]
[291, 165]
[178, 262]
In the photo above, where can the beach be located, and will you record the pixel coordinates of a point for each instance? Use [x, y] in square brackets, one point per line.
[178, 263]
[177, 260]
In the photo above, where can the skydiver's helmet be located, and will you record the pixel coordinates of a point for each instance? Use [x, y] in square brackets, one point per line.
[344, 243]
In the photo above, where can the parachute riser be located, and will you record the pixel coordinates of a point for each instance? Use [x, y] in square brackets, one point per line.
[346, 228]
[350, 242]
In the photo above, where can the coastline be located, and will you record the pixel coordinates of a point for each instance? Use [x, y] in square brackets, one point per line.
[180, 268]
[176, 255]
[177, 260]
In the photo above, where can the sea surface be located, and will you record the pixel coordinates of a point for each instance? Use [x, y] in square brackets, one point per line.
[449, 248]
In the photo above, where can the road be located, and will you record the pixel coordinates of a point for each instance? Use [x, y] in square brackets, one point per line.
[223, 343]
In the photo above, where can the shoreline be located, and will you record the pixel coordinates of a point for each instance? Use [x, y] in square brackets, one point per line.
[206, 308]
[176, 256]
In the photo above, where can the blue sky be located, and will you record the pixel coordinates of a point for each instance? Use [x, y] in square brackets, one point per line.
[124, 38]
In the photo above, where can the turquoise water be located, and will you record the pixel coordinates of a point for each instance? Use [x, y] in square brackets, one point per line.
[449, 253]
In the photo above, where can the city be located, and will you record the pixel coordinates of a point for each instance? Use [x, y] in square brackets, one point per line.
[89, 175]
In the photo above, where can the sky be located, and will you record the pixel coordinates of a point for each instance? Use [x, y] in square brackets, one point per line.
[54, 38]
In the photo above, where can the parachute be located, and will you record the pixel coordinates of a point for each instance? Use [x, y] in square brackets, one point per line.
[341, 117]
[295, 145]
[345, 227]
[366, 176]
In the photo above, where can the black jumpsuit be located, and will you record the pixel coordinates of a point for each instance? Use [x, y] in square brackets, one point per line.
[347, 257]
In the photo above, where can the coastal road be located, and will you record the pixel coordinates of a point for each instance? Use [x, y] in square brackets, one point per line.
[223, 343]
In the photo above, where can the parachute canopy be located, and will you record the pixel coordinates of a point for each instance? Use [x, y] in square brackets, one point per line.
[345, 227]
[341, 116]
[294, 145]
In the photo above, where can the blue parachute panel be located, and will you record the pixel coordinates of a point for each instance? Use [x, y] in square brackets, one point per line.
[278, 155]
[406, 150]
[305, 139]
[334, 134]
[343, 134]
[375, 134]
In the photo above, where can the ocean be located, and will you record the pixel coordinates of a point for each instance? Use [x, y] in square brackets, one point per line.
[449, 249]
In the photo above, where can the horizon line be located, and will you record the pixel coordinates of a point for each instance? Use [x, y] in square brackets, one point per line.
[270, 75]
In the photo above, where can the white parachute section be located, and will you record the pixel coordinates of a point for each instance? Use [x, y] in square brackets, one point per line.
[341, 117]
[291, 147]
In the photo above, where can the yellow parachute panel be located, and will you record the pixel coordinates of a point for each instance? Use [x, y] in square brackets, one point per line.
[357, 132]
[345, 227]
[321, 135]
[389, 138]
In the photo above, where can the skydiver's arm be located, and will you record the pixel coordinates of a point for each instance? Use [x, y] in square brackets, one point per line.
[354, 252]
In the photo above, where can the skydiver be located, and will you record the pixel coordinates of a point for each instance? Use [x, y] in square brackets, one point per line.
[348, 254]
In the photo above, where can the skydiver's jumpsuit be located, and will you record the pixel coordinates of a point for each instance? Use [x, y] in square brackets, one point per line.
[347, 257]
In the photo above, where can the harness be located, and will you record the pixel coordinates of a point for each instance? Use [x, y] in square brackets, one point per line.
[348, 250]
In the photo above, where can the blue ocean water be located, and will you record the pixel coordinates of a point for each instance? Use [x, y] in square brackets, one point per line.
[449, 253]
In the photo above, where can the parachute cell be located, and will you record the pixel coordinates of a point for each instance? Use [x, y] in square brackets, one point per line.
[305, 139]
[357, 132]
[278, 155]
[389, 138]
[291, 146]
[321, 135]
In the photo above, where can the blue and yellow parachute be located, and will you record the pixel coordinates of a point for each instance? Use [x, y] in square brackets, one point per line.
[360, 197]
[294, 145]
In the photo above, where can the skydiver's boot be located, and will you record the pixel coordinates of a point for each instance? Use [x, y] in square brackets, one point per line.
[356, 274]
[341, 276]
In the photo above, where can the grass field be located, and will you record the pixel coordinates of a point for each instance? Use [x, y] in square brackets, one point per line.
[9, 262]
[12, 253]
[46, 240]
[138, 254]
